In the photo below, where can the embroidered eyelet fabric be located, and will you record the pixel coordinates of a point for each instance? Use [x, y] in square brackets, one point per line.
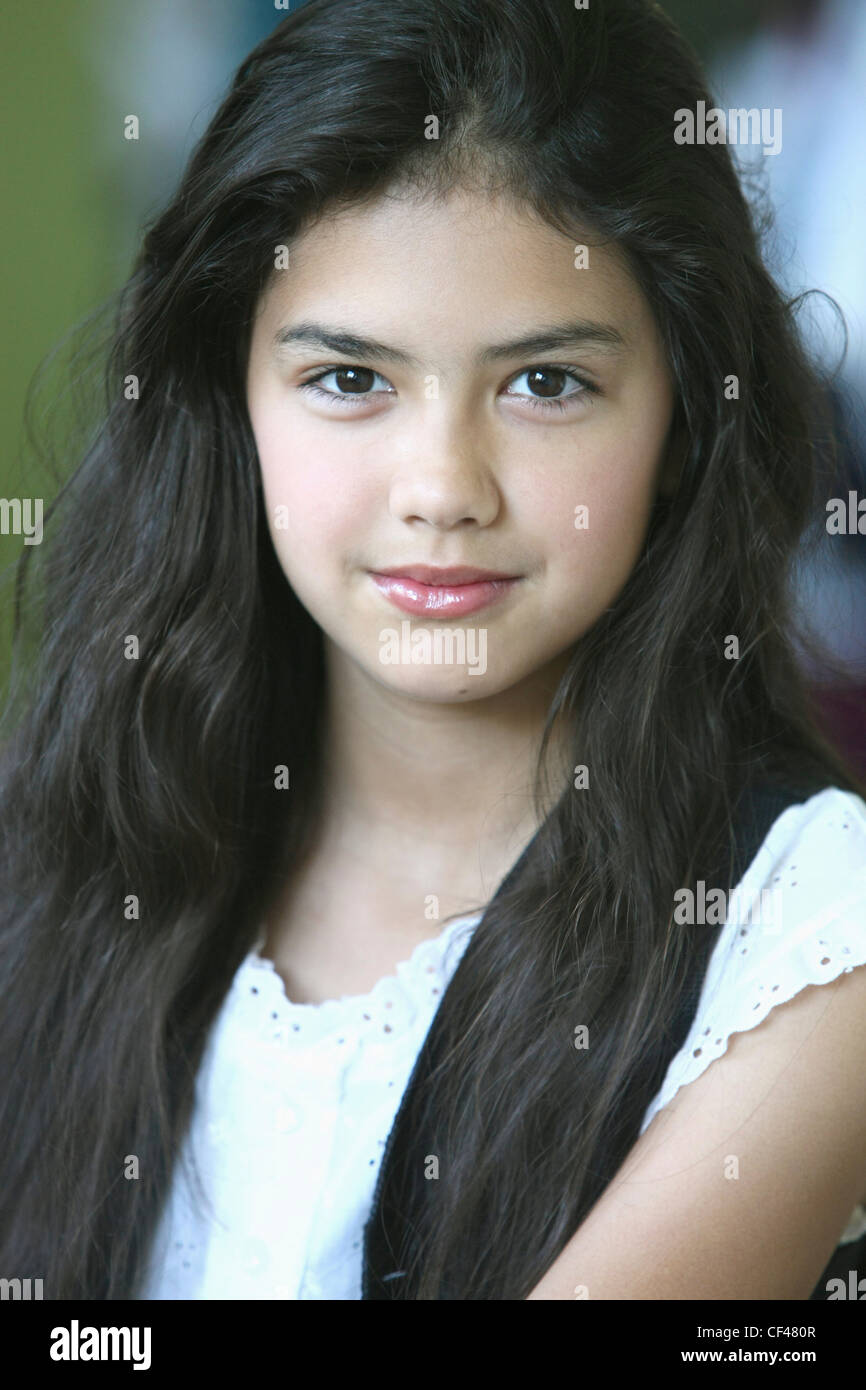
[294, 1102]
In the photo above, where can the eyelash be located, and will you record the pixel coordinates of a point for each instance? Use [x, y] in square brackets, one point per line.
[536, 402]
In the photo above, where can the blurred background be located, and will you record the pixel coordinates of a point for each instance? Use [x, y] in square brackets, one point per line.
[76, 194]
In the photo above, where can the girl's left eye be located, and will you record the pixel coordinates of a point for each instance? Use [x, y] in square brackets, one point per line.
[544, 379]
[554, 375]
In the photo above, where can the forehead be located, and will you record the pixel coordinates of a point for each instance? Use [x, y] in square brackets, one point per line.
[464, 262]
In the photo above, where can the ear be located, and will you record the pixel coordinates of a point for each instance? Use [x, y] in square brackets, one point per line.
[676, 450]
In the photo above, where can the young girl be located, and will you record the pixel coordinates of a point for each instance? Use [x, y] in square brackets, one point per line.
[422, 877]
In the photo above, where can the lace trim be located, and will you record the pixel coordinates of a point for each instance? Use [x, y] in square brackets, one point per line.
[831, 941]
[387, 1010]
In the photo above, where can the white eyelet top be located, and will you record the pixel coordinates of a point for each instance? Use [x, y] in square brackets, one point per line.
[294, 1102]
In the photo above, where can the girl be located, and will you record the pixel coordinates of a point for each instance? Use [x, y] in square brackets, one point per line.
[422, 877]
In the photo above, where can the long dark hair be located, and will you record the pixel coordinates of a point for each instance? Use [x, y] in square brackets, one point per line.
[141, 828]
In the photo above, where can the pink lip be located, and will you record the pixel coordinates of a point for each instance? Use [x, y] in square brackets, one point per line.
[431, 575]
[422, 590]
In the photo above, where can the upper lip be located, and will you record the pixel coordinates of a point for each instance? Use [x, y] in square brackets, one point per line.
[460, 574]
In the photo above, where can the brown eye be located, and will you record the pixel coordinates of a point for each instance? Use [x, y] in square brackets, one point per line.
[547, 381]
[353, 383]
[546, 387]
[354, 379]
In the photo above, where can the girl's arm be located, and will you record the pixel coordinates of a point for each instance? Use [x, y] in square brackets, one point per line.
[741, 1186]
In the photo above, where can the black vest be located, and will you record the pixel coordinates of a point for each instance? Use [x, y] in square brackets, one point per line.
[401, 1188]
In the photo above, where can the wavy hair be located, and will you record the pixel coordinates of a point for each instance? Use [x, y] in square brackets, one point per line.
[173, 668]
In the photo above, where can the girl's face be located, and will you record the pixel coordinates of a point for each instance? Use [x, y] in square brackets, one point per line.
[447, 384]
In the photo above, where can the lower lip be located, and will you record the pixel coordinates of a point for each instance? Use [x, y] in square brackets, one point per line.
[450, 600]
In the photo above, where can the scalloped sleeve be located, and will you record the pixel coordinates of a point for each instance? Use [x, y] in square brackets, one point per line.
[796, 918]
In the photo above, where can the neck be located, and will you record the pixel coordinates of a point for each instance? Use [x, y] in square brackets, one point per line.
[442, 790]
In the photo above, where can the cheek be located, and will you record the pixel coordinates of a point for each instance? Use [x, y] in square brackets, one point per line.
[314, 492]
[593, 522]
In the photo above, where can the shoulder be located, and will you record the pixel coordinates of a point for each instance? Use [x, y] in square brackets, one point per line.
[831, 822]
[741, 1187]
[753, 1156]
[796, 918]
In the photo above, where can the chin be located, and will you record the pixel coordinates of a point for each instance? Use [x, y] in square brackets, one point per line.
[439, 687]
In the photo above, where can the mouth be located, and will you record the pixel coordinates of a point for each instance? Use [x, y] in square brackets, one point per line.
[424, 590]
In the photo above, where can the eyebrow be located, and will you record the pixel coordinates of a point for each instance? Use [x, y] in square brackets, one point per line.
[579, 332]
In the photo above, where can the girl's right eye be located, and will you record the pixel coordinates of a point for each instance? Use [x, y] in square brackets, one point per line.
[357, 380]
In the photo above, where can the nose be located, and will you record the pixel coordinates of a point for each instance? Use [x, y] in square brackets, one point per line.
[444, 477]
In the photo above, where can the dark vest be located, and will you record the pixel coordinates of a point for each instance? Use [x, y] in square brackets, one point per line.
[402, 1189]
